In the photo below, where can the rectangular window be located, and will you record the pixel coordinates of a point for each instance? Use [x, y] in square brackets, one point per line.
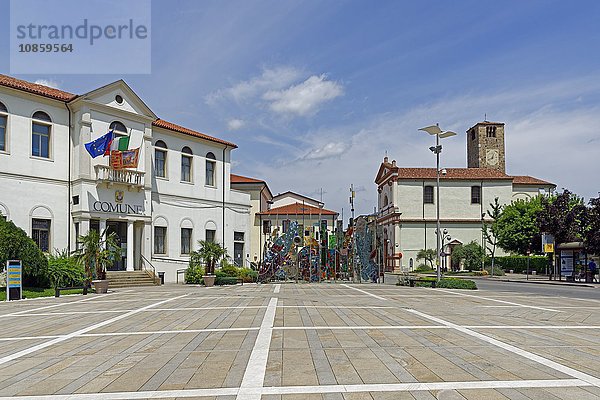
[476, 195]
[210, 173]
[238, 236]
[472, 134]
[160, 158]
[2, 132]
[266, 227]
[286, 225]
[40, 233]
[186, 169]
[160, 237]
[210, 235]
[186, 240]
[428, 194]
[40, 140]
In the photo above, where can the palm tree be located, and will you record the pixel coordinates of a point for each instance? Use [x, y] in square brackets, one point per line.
[211, 253]
[98, 252]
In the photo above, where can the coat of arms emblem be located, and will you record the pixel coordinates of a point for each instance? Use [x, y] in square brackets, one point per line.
[119, 194]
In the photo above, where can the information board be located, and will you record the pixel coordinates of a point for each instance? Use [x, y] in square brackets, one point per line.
[14, 280]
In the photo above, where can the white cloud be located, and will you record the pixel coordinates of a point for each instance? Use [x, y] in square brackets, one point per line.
[304, 98]
[235, 124]
[329, 150]
[270, 79]
[47, 82]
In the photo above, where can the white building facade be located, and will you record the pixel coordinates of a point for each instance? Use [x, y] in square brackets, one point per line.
[54, 190]
[407, 201]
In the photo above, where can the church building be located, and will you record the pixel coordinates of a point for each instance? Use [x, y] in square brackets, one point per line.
[407, 199]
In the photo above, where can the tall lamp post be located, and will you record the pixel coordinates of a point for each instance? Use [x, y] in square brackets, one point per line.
[437, 149]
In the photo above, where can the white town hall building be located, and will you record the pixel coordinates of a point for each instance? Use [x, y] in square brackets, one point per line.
[407, 199]
[50, 186]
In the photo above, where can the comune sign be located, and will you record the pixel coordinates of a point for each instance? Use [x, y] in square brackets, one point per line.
[105, 206]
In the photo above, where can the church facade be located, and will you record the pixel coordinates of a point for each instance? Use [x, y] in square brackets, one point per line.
[407, 199]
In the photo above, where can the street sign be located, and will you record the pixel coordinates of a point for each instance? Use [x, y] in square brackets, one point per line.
[14, 280]
[547, 243]
[549, 248]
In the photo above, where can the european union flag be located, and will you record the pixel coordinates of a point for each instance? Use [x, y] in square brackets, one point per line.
[98, 147]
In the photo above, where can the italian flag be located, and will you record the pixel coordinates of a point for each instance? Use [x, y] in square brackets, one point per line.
[120, 144]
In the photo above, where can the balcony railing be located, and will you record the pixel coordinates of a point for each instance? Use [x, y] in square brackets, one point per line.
[106, 174]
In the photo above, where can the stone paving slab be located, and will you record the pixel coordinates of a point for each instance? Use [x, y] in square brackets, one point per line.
[322, 335]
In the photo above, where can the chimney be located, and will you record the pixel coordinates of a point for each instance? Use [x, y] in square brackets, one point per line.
[393, 163]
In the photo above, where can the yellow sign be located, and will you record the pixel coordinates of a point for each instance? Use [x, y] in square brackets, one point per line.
[549, 248]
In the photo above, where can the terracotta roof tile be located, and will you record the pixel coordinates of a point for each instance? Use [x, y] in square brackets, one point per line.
[453, 173]
[298, 209]
[161, 123]
[34, 88]
[244, 179]
[529, 180]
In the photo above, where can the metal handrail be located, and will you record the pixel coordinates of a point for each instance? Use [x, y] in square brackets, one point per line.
[144, 261]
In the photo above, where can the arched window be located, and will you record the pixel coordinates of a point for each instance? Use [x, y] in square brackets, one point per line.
[211, 166]
[385, 200]
[40, 134]
[3, 120]
[118, 127]
[427, 194]
[41, 116]
[186, 164]
[160, 159]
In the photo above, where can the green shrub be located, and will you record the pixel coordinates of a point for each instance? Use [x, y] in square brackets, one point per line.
[497, 270]
[455, 283]
[423, 268]
[229, 269]
[16, 245]
[481, 273]
[519, 264]
[65, 270]
[194, 273]
[226, 280]
[248, 275]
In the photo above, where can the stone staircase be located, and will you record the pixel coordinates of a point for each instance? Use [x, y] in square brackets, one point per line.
[120, 279]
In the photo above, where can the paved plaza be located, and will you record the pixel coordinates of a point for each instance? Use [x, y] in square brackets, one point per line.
[287, 341]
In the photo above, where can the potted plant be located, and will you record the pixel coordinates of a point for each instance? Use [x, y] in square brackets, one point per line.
[210, 253]
[98, 251]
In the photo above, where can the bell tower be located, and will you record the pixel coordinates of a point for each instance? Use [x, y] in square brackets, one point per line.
[485, 146]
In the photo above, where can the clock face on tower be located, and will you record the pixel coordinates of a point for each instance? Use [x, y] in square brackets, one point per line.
[492, 157]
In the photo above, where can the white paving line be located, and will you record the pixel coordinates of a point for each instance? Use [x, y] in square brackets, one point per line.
[25, 312]
[79, 332]
[283, 390]
[277, 288]
[254, 376]
[499, 301]
[364, 292]
[593, 381]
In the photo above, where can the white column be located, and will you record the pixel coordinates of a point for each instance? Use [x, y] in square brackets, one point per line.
[102, 227]
[129, 245]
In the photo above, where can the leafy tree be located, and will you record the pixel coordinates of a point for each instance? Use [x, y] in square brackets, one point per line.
[16, 245]
[592, 237]
[470, 254]
[98, 252]
[210, 253]
[565, 216]
[427, 255]
[490, 232]
[517, 229]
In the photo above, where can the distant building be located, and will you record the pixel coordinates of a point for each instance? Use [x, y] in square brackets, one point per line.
[407, 199]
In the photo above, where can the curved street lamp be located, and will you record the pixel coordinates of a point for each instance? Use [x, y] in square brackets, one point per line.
[437, 149]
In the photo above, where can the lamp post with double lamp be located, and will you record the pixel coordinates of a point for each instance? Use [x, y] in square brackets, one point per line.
[437, 149]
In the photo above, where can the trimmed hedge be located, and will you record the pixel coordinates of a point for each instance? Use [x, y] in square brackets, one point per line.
[519, 264]
[226, 280]
[454, 283]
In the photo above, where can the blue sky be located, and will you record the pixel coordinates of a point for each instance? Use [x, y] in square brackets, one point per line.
[315, 92]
